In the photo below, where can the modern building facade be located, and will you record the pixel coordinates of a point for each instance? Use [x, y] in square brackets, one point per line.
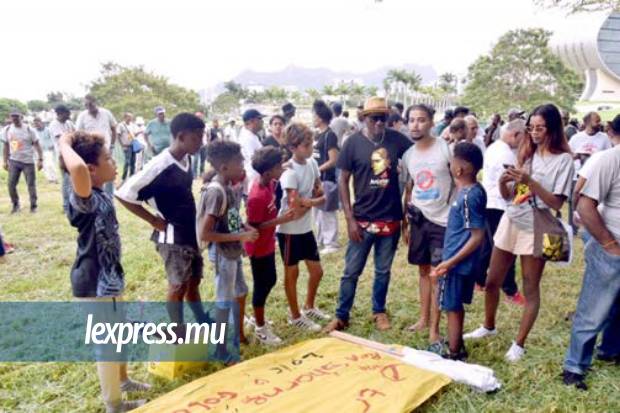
[592, 45]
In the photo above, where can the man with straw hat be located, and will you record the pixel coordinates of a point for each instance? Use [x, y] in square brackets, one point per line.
[370, 157]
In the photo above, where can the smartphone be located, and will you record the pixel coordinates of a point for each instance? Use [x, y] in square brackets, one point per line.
[506, 166]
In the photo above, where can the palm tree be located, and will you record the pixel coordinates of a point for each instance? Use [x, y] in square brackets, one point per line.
[447, 82]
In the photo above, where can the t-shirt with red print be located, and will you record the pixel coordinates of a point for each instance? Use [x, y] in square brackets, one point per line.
[262, 208]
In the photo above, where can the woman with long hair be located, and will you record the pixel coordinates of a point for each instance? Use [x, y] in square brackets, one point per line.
[541, 178]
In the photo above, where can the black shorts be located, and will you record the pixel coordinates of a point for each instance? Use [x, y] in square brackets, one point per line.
[298, 247]
[425, 239]
[182, 263]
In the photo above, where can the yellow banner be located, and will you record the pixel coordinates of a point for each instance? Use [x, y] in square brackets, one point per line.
[323, 375]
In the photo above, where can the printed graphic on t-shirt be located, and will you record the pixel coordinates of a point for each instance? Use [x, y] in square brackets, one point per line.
[425, 188]
[234, 220]
[16, 144]
[381, 166]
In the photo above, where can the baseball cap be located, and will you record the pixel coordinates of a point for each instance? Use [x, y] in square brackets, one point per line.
[251, 114]
[15, 112]
[288, 107]
[516, 112]
[159, 109]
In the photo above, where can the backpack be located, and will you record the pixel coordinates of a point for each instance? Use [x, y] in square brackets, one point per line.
[201, 206]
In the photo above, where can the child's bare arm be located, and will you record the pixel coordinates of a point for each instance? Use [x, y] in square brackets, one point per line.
[288, 216]
[472, 244]
[317, 200]
[138, 210]
[206, 229]
[77, 168]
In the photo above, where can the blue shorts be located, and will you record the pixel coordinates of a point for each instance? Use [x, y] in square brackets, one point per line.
[455, 290]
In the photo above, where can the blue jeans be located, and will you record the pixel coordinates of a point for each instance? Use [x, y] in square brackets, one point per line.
[597, 310]
[355, 261]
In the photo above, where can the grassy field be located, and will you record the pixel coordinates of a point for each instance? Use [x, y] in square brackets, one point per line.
[39, 269]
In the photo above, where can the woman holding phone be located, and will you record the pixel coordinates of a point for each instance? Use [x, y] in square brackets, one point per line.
[543, 175]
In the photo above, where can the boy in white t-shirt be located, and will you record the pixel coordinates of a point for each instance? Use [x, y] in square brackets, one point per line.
[302, 191]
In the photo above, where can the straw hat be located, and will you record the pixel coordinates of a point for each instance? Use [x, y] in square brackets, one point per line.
[375, 104]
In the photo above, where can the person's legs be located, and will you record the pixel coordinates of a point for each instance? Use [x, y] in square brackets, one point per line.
[31, 180]
[532, 269]
[66, 191]
[15, 171]
[315, 273]
[385, 248]
[264, 275]
[355, 261]
[426, 292]
[500, 263]
[571, 209]
[291, 273]
[127, 160]
[610, 342]
[203, 158]
[599, 293]
[455, 330]
[49, 165]
[317, 216]
[109, 373]
[330, 229]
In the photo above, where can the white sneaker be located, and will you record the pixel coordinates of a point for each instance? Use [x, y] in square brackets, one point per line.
[129, 386]
[316, 314]
[515, 353]
[480, 332]
[329, 250]
[305, 323]
[250, 322]
[265, 336]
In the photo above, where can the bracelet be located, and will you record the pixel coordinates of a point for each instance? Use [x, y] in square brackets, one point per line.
[610, 243]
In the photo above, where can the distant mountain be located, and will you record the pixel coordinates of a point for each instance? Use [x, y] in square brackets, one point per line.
[304, 78]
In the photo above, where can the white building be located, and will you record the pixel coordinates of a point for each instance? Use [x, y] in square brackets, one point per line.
[591, 44]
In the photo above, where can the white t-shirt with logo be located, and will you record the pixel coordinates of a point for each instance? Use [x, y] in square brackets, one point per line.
[21, 142]
[497, 155]
[430, 171]
[582, 143]
[249, 144]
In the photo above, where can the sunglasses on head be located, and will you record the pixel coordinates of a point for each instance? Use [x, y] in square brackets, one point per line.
[381, 117]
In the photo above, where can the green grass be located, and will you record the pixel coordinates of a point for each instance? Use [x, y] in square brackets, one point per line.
[39, 270]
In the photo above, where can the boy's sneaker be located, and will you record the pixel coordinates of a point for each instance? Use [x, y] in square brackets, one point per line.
[129, 386]
[438, 347]
[515, 352]
[574, 379]
[304, 323]
[265, 336]
[460, 355]
[316, 314]
[480, 332]
[517, 299]
[15, 209]
[125, 406]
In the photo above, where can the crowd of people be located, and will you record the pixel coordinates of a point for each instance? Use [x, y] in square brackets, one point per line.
[392, 173]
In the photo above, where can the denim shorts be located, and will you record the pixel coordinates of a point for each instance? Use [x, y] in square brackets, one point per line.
[229, 280]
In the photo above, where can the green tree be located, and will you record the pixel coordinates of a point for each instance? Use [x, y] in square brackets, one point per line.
[37, 105]
[225, 103]
[7, 105]
[133, 89]
[329, 90]
[520, 71]
[236, 89]
[447, 83]
[576, 6]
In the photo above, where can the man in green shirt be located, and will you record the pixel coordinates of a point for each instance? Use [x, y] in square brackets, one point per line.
[157, 132]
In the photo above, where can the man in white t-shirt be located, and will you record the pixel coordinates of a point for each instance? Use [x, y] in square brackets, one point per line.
[230, 131]
[338, 124]
[499, 155]
[583, 145]
[428, 195]
[597, 307]
[249, 141]
[98, 120]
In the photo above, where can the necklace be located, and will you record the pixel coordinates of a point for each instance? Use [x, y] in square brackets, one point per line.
[375, 143]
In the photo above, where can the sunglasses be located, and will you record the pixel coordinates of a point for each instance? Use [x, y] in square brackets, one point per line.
[378, 118]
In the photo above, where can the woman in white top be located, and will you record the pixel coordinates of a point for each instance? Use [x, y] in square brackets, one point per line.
[542, 176]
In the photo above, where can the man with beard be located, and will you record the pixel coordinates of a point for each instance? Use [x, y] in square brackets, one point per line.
[427, 199]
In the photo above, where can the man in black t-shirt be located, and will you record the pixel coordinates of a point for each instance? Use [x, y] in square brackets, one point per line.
[371, 158]
[326, 154]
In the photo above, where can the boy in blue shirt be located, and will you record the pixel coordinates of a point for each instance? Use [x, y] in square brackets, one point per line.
[464, 235]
